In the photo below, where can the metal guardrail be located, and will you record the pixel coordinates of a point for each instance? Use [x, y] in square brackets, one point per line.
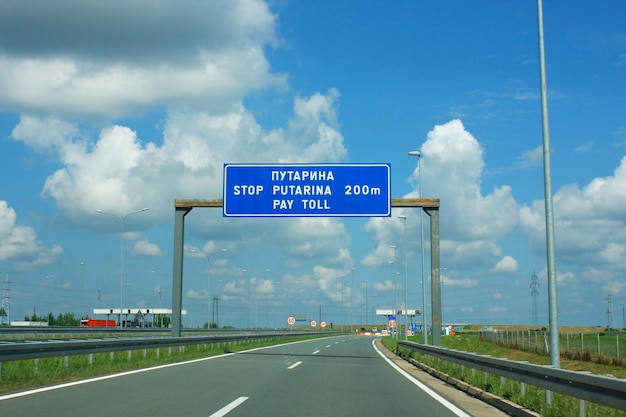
[30, 349]
[22, 331]
[610, 392]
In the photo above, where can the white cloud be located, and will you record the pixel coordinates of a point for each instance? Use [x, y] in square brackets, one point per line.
[91, 64]
[589, 221]
[530, 158]
[19, 244]
[452, 166]
[470, 221]
[506, 264]
[585, 147]
[196, 294]
[383, 286]
[144, 247]
[119, 173]
[464, 282]
[329, 281]
[199, 74]
[615, 287]
[565, 278]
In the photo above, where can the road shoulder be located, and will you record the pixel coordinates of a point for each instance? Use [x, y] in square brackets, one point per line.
[473, 400]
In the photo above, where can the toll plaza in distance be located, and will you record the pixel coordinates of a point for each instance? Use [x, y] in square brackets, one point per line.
[307, 190]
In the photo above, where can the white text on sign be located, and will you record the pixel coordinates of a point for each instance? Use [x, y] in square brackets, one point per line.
[247, 189]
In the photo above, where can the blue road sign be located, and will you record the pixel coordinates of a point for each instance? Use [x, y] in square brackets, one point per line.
[307, 190]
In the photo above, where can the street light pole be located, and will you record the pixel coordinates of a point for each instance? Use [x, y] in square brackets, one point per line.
[419, 181]
[395, 287]
[406, 286]
[49, 278]
[553, 311]
[366, 305]
[267, 302]
[82, 287]
[122, 219]
[351, 299]
[343, 323]
[267, 306]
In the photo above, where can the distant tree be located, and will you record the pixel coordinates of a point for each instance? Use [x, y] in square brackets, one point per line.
[34, 317]
[163, 321]
[67, 319]
[64, 319]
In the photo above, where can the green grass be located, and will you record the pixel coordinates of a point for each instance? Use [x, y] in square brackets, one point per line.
[534, 398]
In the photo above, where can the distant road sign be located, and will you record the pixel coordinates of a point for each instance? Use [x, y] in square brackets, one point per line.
[313, 323]
[307, 190]
[291, 320]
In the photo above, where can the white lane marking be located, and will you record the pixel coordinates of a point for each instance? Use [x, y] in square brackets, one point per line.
[294, 365]
[316, 352]
[453, 408]
[327, 346]
[230, 407]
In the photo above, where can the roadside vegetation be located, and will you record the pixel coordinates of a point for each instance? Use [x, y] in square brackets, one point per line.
[534, 398]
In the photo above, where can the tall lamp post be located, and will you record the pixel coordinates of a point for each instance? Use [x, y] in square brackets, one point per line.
[366, 305]
[406, 286]
[82, 287]
[49, 278]
[395, 287]
[351, 299]
[418, 155]
[122, 219]
[343, 323]
[267, 302]
[208, 291]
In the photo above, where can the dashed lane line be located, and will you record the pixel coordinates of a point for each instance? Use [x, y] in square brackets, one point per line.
[230, 407]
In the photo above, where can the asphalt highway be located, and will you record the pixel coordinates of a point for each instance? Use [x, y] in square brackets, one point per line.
[338, 376]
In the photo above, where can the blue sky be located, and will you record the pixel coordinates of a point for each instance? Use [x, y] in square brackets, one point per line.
[117, 106]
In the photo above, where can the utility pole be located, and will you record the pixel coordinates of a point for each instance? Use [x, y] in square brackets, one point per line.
[215, 313]
[553, 315]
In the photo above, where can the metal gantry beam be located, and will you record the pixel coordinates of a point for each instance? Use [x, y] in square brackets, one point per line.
[184, 206]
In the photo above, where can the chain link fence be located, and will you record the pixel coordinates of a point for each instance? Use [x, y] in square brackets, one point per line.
[602, 347]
